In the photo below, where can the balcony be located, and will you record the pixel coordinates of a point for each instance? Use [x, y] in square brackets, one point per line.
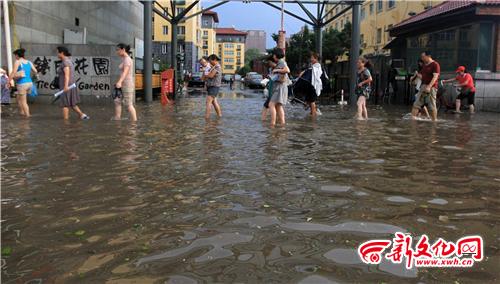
[205, 47]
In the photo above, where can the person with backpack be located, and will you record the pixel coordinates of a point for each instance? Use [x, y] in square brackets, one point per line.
[319, 81]
[467, 88]
[21, 73]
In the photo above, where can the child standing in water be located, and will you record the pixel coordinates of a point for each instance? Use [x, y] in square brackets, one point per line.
[214, 81]
[363, 87]
[269, 88]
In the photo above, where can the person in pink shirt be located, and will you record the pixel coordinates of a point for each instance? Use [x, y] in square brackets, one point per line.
[125, 84]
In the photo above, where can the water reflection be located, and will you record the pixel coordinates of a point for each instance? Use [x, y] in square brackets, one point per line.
[175, 198]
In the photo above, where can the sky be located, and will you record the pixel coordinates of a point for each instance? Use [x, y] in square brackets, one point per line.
[257, 16]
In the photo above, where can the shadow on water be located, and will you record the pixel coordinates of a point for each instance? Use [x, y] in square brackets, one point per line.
[180, 199]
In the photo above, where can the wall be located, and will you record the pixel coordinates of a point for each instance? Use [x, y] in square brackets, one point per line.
[44, 22]
[96, 68]
[256, 39]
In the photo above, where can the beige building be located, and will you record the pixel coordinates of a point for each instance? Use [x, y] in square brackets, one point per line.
[209, 21]
[377, 17]
[231, 49]
[188, 35]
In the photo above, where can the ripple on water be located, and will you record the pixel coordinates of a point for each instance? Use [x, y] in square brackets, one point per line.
[399, 199]
[218, 244]
[343, 256]
[357, 227]
[438, 201]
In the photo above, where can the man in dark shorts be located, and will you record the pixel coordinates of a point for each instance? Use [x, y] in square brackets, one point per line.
[428, 90]
[467, 91]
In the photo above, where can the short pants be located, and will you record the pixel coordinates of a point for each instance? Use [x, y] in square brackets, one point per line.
[422, 98]
[467, 94]
[213, 91]
[24, 88]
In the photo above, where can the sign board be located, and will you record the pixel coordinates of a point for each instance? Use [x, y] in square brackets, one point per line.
[92, 74]
[139, 48]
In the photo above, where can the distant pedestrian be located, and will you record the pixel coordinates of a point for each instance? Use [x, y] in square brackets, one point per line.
[231, 82]
[467, 88]
[21, 73]
[214, 81]
[4, 79]
[125, 84]
[428, 90]
[70, 98]
[363, 87]
[279, 96]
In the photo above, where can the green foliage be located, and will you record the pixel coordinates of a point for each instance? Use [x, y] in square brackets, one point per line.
[335, 44]
[243, 70]
[251, 54]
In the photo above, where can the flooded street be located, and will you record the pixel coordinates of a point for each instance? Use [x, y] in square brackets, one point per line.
[177, 199]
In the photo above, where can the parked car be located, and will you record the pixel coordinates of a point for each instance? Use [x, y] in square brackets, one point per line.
[196, 81]
[237, 77]
[254, 81]
[226, 78]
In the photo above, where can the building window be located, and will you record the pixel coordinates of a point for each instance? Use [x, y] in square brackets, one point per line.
[371, 8]
[179, 10]
[228, 46]
[379, 36]
[391, 4]
[389, 27]
[229, 52]
[337, 11]
[205, 52]
[380, 6]
[163, 49]
[342, 23]
[363, 13]
[228, 66]
[165, 12]
[205, 33]
[228, 60]
[165, 30]
[337, 26]
[181, 30]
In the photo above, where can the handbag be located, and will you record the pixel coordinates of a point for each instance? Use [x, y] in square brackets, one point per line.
[117, 93]
[55, 83]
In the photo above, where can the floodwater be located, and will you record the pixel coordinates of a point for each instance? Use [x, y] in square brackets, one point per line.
[177, 199]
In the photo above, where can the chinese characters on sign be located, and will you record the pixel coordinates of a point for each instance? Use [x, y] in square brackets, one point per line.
[92, 74]
[462, 253]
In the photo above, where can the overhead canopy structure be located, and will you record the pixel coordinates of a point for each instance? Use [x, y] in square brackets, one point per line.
[318, 18]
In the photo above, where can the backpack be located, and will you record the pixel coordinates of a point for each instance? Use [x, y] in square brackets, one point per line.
[325, 81]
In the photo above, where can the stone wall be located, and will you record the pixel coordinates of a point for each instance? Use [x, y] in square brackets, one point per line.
[45, 22]
[96, 68]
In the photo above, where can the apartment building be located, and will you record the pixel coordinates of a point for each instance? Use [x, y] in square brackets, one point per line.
[209, 21]
[231, 49]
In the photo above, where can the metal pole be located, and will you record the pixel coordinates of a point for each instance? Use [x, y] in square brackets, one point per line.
[8, 42]
[173, 46]
[319, 36]
[148, 51]
[354, 53]
[173, 55]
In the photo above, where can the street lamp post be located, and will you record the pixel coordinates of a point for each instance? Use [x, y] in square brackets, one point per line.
[354, 53]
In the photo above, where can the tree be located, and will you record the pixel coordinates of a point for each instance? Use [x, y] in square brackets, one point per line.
[243, 70]
[251, 54]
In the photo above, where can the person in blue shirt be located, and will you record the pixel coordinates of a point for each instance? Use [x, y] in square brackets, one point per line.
[21, 73]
